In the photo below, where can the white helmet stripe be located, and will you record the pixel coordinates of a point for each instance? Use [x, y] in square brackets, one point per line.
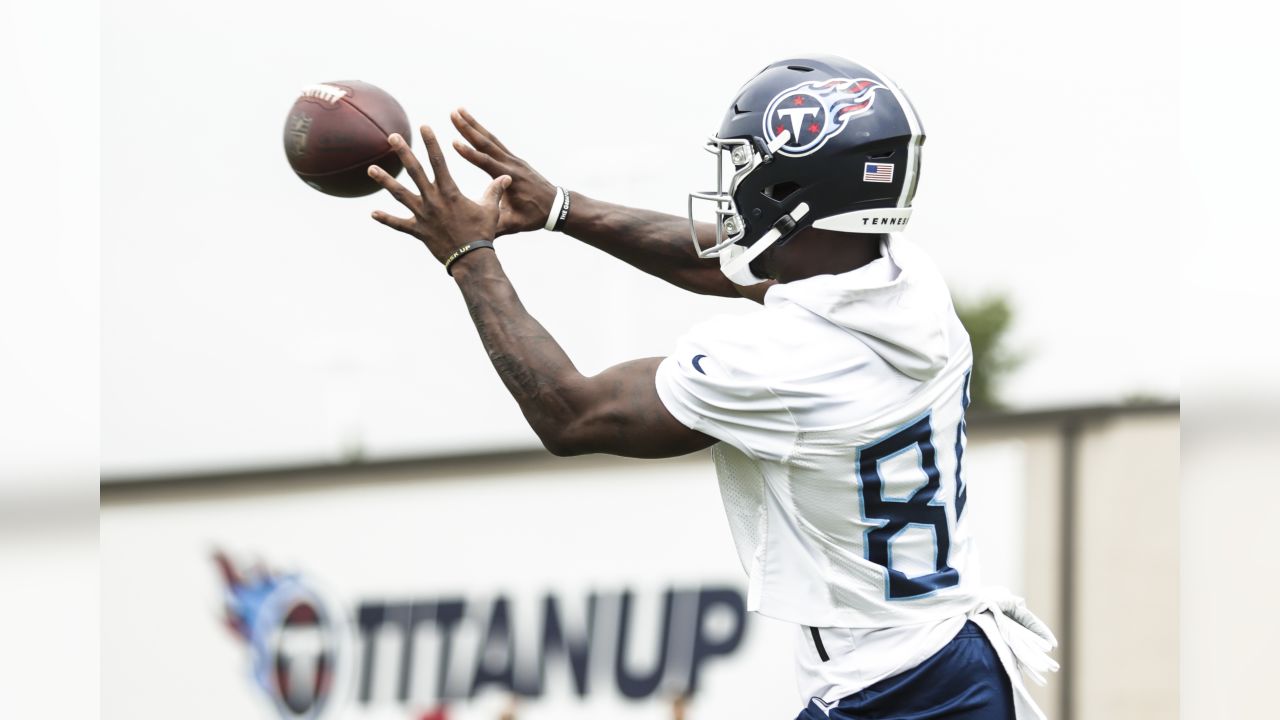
[913, 146]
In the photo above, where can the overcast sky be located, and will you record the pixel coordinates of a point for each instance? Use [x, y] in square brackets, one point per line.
[249, 320]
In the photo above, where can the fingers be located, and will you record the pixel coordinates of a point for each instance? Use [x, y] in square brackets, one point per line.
[411, 165]
[475, 134]
[444, 180]
[393, 186]
[404, 225]
[471, 120]
[493, 194]
[479, 159]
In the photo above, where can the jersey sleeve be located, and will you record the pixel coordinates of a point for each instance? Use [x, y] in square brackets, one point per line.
[708, 385]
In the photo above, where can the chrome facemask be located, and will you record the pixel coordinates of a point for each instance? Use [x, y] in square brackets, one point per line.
[745, 156]
[729, 225]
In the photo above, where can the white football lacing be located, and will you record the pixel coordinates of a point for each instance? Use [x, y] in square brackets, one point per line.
[328, 93]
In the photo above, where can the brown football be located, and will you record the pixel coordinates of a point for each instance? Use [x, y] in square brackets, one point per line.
[336, 130]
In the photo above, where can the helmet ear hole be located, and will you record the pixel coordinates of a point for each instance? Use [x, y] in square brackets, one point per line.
[780, 191]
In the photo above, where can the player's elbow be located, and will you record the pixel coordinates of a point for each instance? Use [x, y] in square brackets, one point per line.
[575, 434]
[560, 449]
[588, 419]
[563, 442]
[567, 427]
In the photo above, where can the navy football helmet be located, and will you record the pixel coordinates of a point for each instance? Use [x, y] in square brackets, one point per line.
[815, 141]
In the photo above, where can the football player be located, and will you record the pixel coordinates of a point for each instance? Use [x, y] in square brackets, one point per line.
[835, 412]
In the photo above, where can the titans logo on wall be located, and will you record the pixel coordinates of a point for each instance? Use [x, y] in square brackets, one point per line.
[814, 112]
[314, 657]
[292, 635]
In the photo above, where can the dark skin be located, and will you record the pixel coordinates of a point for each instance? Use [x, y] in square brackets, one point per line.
[819, 252]
[618, 411]
[657, 243]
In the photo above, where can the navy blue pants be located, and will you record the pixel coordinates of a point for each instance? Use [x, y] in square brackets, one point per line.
[963, 681]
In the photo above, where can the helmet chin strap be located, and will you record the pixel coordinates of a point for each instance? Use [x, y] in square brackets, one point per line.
[735, 261]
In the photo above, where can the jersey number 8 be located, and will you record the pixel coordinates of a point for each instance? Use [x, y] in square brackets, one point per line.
[919, 509]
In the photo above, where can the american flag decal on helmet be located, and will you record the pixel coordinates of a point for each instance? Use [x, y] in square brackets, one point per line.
[878, 172]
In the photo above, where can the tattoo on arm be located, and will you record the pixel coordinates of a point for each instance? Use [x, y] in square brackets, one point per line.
[616, 412]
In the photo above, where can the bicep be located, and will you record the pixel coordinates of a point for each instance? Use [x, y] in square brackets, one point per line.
[621, 414]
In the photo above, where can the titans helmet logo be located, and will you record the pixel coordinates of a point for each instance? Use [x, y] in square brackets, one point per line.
[291, 635]
[813, 112]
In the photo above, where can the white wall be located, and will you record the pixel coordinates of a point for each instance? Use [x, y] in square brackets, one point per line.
[1127, 571]
[248, 319]
[568, 527]
[49, 358]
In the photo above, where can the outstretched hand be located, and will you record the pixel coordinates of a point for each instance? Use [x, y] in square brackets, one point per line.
[528, 201]
[441, 216]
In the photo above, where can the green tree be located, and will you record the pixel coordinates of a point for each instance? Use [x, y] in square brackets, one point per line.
[988, 320]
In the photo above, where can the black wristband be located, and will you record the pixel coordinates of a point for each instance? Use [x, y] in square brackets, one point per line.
[474, 245]
[564, 213]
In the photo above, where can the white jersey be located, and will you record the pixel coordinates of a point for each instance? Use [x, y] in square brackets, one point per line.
[840, 410]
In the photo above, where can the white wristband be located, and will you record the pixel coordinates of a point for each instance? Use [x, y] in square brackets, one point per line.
[556, 206]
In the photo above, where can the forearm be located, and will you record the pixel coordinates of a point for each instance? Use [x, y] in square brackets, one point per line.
[616, 412]
[654, 242]
[533, 366]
